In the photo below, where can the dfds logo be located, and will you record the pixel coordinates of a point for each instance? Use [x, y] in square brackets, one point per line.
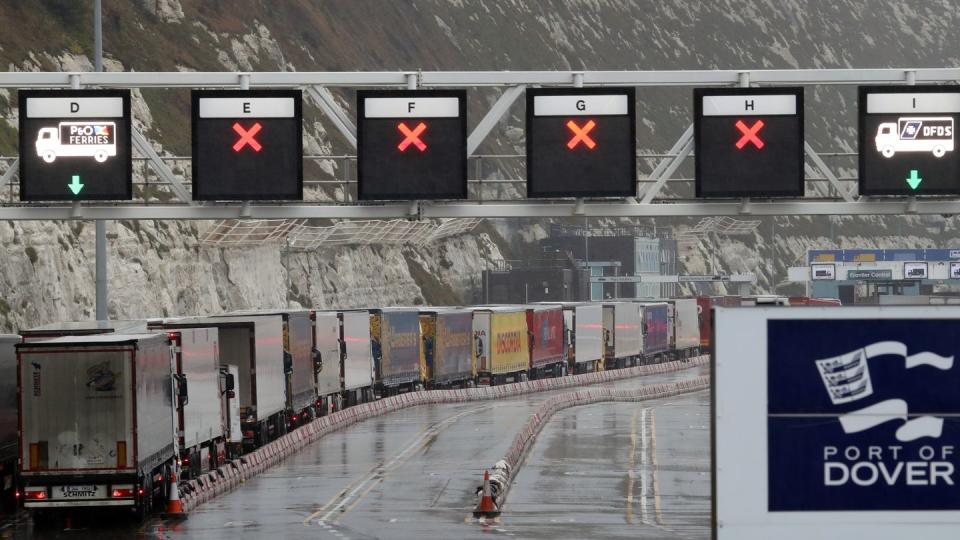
[864, 416]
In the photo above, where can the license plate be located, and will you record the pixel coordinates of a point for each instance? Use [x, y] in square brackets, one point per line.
[79, 492]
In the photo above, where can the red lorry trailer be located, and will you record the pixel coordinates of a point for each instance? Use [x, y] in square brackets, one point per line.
[545, 328]
[96, 422]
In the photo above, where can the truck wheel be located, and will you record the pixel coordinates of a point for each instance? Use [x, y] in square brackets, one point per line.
[100, 156]
[49, 156]
[887, 151]
[939, 151]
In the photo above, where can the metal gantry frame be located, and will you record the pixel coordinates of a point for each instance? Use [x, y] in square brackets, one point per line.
[317, 84]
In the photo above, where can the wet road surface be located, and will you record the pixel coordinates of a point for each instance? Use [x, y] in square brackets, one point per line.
[617, 470]
[412, 474]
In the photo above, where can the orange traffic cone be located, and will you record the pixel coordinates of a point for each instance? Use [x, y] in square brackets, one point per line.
[486, 508]
[174, 505]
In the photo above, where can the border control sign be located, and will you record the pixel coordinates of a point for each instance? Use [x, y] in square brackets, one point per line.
[837, 423]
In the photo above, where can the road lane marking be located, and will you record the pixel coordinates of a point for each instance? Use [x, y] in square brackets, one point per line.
[631, 471]
[644, 464]
[658, 511]
[348, 498]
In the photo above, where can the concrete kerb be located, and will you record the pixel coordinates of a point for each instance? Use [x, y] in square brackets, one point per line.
[272, 453]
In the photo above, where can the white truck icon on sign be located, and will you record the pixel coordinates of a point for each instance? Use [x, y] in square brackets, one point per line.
[78, 139]
[916, 134]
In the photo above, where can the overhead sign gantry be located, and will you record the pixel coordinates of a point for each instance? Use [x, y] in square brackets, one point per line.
[75, 145]
[573, 151]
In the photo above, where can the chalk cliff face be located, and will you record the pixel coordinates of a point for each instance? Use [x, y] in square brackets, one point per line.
[162, 268]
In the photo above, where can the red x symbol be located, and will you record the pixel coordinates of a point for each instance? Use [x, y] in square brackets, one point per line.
[580, 134]
[749, 134]
[412, 137]
[246, 137]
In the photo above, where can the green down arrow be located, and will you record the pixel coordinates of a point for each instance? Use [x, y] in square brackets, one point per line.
[75, 185]
[914, 179]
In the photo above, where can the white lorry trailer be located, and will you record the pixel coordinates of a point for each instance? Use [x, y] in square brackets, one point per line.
[8, 421]
[329, 361]
[255, 345]
[623, 334]
[358, 369]
[201, 416]
[97, 421]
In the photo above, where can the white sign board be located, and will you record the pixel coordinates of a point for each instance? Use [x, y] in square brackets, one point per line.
[836, 423]
[411, 107]
[823, 272]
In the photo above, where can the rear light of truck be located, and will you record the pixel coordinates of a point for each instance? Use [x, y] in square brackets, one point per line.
[122, 492]
[35, 494]
[121, 454]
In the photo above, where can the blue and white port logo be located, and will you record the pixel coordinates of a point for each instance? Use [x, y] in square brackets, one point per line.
[847, 379]
[864, 415]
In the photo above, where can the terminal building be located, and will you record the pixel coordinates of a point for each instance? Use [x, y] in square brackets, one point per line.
[880, 276]
[572, 259]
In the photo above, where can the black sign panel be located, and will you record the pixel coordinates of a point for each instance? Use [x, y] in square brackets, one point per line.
[748, 142]
[907, 140]
[581, 142]
[75, 145]
[247, 145]
[411, 144]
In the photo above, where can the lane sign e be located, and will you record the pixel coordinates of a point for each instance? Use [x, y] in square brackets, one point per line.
[581, 142]
[247, 145]
[411, 144]
[749, 142]
[66, 135]
[906, 130]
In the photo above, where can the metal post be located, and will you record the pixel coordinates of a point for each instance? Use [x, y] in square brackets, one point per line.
[101, 226]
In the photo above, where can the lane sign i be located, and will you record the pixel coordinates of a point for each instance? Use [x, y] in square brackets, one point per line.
[66, 135]
[411, 144]
[749, 142]
[581, 142]
[905, 129]
[247, 145]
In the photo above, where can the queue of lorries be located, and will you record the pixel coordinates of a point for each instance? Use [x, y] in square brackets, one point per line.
[106, 413]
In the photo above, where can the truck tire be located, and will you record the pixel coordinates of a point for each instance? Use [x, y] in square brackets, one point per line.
[49, 156]
[939, 151]
[887, 151]
[100, 156]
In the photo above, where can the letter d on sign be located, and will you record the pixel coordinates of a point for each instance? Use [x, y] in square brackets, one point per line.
[828, 479]
[74, 107]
